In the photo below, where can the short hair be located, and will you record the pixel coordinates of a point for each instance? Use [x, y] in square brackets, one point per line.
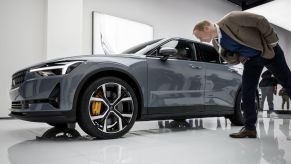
[200, 25]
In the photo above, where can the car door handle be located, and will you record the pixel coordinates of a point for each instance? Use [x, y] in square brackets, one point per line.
[195, 66]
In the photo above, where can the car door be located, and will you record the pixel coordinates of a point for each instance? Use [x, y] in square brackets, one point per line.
[222, 81]
[177, 84]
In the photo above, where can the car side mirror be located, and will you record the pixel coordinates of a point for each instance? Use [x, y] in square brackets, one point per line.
[166, 52]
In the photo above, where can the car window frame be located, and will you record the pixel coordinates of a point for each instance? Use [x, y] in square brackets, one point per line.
[154, 52]
[201, 57]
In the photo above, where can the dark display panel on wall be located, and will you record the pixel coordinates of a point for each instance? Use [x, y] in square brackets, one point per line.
[246, 4]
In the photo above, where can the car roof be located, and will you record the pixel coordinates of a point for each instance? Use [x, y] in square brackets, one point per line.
[189, 40]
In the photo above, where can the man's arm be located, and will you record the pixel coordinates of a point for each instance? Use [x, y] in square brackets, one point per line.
[257, 21]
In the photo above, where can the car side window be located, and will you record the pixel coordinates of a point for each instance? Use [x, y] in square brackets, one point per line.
[207, 53]
[184, 49]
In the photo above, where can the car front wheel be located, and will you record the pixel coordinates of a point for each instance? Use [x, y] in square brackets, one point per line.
[108, 108]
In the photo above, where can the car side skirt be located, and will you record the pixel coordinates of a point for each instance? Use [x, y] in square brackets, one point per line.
[180, 112]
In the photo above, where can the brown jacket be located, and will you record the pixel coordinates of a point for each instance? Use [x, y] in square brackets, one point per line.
[248, 29]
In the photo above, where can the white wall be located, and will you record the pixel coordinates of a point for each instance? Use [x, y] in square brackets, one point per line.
[168, 17]
[35, 30]
[64, 28]
[21, 41]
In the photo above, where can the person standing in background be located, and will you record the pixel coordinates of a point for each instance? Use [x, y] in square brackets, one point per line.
[268, 86]
[285, 98]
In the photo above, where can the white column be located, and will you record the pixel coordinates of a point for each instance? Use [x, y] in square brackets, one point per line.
[21, 41]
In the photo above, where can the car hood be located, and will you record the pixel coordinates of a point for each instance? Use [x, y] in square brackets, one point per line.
[94, 57]
[86, 58]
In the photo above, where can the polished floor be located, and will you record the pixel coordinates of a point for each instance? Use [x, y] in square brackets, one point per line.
[156, 142]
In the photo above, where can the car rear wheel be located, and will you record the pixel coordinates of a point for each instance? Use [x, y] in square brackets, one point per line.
[238, 117]
[108, 108]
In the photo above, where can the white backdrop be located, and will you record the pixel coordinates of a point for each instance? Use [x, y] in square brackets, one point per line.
[113, 34]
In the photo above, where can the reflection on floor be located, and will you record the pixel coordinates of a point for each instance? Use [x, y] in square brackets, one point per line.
[192, 141]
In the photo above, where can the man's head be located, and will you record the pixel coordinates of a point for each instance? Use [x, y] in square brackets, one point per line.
[204, 31]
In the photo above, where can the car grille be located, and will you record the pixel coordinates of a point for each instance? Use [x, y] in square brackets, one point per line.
[25, 104]
[19, 105]
[18, 79]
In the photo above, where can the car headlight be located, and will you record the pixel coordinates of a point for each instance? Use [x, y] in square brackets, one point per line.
[57, 68]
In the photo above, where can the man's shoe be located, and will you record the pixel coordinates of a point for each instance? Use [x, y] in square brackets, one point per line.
[244, 133]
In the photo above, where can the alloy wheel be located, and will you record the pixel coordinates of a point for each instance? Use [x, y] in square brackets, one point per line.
[111, 107]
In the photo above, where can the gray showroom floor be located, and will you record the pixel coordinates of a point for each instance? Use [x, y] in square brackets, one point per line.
[154, 142]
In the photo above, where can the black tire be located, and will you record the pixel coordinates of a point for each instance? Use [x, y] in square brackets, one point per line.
[93, 127]
[237, 118]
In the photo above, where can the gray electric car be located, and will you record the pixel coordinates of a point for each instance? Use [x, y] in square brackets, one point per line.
[171, 78]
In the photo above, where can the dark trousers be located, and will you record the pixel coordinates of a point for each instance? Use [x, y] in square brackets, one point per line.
[251, 75]
[267, 92]
[285, 99]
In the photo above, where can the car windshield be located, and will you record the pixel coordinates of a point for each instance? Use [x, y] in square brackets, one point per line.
[142, 48]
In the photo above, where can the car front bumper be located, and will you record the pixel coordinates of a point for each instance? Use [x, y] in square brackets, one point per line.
[43, 99]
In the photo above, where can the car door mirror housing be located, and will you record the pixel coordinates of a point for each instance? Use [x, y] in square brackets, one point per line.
[166, 52]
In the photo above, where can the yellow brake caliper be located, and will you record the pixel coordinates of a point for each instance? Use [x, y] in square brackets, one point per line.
[96, 106]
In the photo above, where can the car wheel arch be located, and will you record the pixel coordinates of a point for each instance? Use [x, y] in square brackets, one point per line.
[240, 89]
[236, 96]
[108, 72]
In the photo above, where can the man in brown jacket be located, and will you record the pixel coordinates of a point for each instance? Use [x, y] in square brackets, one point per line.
[242, 37]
